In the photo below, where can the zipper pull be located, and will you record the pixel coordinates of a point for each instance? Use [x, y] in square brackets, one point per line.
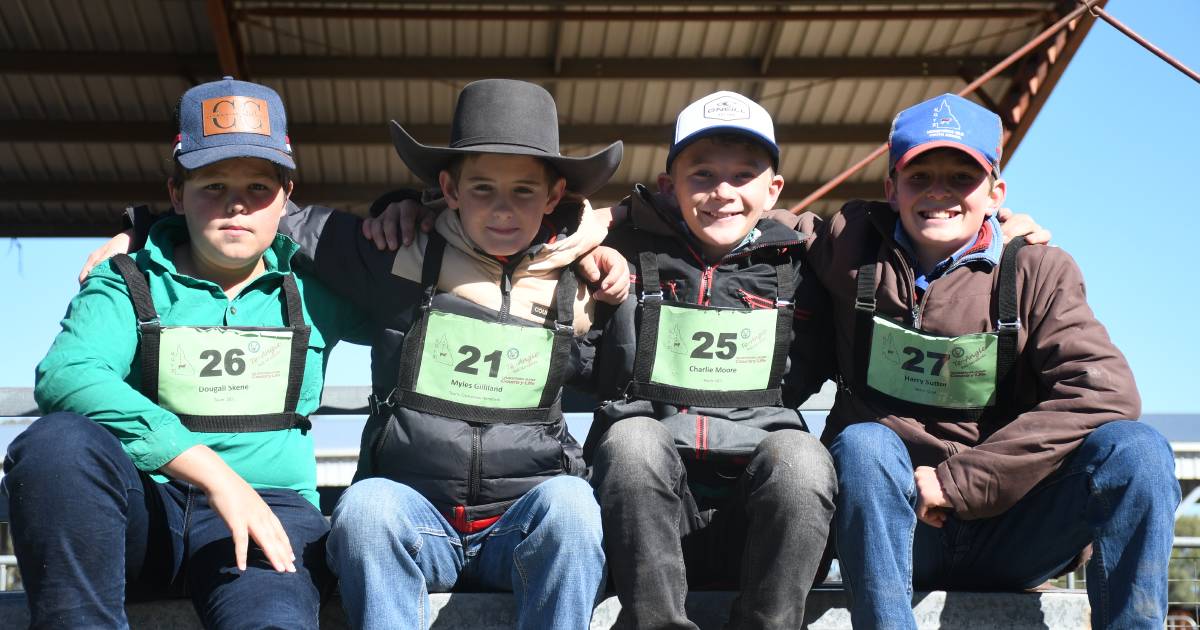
[708, 285]
[505, 282]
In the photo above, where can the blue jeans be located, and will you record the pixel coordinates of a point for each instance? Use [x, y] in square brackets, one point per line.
[92, 532]
[1117, 491]
[391, 547]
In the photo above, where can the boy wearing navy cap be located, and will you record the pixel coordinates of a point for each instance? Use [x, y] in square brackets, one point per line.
[178, 392]
[982, 430]
[705, 472]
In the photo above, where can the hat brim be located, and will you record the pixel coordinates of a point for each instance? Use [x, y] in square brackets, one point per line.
[203, 157]
[943, 144]
[708, 132]
[584, 175]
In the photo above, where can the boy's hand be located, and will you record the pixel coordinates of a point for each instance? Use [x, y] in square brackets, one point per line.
[119, 244]
[1013, 225]
[614, 287]
[932, 505]
[398, 222]
[244, 512]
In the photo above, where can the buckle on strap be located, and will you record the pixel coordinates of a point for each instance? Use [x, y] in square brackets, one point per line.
[381, 406]
[657, 295]
[1013, 326]
[143, 324]
[864, 305]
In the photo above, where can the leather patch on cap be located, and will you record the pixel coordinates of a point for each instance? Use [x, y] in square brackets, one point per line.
[236, 114]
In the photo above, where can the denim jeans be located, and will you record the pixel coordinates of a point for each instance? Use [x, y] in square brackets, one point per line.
[1117, 491]
[768, 537]
[391, 547]
[92, 532]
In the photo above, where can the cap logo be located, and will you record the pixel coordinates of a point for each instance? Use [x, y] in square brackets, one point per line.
[944, 124]
[726, 108]
[236, 114]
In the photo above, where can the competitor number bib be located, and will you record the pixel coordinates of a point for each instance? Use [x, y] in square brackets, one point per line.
[223, 371]
[714, 349]
[947, 372]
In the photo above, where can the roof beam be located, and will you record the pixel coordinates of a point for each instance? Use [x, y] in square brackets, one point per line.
[225, 39]
[154, 192]
[376, 134]
[667, 15]
[441, 68]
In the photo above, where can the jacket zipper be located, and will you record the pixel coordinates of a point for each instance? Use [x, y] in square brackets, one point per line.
[505, 293]
[706, 280]
[476, 466]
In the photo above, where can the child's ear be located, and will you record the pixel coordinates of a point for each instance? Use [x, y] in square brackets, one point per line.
[774, 191]
[666, 185]
[889, 192]
[176, 195]
[449, 189]
[556, 194]
[996, 196]
[287, 196]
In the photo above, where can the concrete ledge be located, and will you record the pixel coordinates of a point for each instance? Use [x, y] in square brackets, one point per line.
[826, 610]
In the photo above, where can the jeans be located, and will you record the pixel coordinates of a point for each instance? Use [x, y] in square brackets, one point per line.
[91, 532]
[391, 548]
[768, 537]
[1117, 491]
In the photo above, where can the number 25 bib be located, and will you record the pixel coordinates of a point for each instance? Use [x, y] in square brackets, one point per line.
[690, 355]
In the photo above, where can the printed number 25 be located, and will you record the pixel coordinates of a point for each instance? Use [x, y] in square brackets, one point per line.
[467, 365]
[725, 341]
[914, 364]
[234, 364]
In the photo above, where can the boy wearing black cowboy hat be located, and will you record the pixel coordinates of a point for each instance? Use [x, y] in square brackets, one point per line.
[467, 474]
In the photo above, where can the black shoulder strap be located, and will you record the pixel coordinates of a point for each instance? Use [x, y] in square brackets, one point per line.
[149, 330]
[1008, 325]
[431, 270]
[300, 335]
[864, 308]
[650, 300]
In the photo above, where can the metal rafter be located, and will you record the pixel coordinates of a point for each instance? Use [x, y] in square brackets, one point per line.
[225, 39]
[530, 69]
[376, 134]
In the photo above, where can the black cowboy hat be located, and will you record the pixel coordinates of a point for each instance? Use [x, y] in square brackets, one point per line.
[510, 118]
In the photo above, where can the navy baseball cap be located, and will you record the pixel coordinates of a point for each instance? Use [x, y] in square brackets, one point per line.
[946, 121]
[230, 119]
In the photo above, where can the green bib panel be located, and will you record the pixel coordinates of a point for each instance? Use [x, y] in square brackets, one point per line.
[217, 371]
[946, 372]
[714, 349]
[485, 364]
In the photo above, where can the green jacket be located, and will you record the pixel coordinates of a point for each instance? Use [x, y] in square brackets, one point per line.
[93, 367]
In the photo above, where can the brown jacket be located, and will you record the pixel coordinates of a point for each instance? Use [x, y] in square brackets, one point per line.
[1070, 377]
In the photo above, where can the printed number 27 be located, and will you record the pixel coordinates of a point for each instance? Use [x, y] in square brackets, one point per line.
[914, 364]
[467, 365]
[725, 341]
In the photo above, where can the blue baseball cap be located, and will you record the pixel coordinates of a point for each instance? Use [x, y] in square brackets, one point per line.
[230, 119]
[946, 121]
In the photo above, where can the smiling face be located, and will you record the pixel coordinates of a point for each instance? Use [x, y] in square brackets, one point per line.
[723, 186]
[501, 199]
[943, 197]
[232, 208]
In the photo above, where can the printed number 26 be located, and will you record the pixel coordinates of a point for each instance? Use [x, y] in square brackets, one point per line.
[234, 364]
[467, 365]
[725, 341]
[914, 364]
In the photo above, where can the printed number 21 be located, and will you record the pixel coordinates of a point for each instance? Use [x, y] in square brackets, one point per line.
[725, 341]
[914, 364]
[467, 365]
[234, 364]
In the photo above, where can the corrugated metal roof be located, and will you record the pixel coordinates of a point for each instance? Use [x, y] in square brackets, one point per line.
[114, 68]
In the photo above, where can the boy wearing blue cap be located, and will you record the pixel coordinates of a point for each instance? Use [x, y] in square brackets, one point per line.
[705, 472]
[982, 430]
[178, 392]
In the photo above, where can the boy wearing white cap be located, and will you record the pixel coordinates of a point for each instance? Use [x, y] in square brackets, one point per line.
[178, 392]
[982, 429]
[705, 472]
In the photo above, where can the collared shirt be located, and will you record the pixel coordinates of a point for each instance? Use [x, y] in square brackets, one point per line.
[985, 247]
[93, 367]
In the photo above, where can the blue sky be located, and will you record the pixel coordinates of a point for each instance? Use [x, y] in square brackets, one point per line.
[1111, 165]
